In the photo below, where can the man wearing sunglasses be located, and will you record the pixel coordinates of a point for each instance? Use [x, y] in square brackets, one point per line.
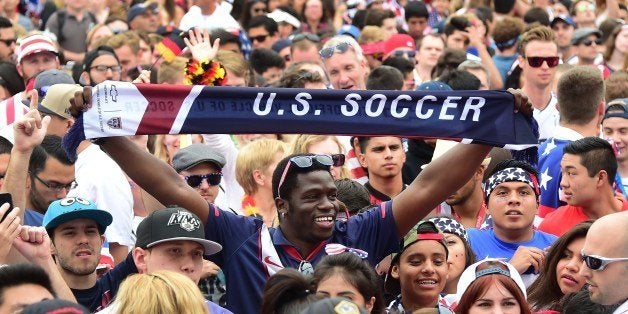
[7, 39]
[586, 42]
[344, 62]
[200, 166]
[262, 31]
[605, 255]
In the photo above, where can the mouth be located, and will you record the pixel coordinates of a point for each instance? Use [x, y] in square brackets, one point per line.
[514, 213]
[348, 87]
[83, 253]
[569, 280]
[428, 283]
[325, 222]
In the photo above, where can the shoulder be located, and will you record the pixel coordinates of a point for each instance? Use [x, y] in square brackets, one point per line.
[544, 237]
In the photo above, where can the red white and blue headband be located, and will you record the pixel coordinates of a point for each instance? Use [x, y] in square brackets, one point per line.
[510, 175]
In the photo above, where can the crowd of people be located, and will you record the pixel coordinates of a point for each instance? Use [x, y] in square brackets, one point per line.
[315, 223]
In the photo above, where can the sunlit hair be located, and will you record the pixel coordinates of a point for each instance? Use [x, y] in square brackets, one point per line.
[160, 292]
[336, 40]
[301, 145]
[480, 286]
[256, 155]
[545, 292]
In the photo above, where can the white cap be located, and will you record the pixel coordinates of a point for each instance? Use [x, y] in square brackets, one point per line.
[283, 16]
[469, 275]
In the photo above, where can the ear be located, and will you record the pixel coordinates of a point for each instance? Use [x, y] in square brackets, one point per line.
[85, 78]
[602, 178]
[258, 177]
[479, 174]
[19, 69]
[394, 271]
[282, 206]
[362, 160]
[369, 304]
[521, 61]
[140, 258]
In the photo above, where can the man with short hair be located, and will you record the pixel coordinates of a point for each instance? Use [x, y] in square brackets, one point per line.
[416, 15]
[581, 106]
[23, 284]
[99, 65]
[429, 49]
[511, 194]
[127, 47]
[383, 158]
[506, 34]
[144, 17]
[563, 27]
[538, 60]
[583, 12]
[262, 31]
[589, 166]
[615, 129]
[344, 62]
[305, 47]
[605, 255]
[586, 41]
[7, 39]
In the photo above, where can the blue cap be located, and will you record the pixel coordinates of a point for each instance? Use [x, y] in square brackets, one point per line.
[563, 18]
[434, 86]
[71, 208]
[350, 30]
[139, 9]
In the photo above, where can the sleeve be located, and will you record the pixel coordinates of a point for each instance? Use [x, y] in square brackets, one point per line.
[52, 25]
[374, 231]
[229, 230]
[225, 146]
[112, 279]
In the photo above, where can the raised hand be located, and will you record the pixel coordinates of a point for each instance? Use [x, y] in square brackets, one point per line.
[34, 244]
[81, 101]
[9, 229]
[30, 129]
[200, 45]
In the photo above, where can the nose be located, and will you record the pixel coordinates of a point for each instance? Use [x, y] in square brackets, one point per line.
[563, 181]
[62, 193]
[204, 184]
[574, 264]
[514, 198]
[188, 265]
[428, 268]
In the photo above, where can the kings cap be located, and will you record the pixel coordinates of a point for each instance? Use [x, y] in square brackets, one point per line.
[173, 224]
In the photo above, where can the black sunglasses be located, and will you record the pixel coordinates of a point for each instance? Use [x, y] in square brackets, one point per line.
[328, 52]
[589, 42]
[338, 159]
[537, 62]
[260, 38]
[9, 41]
[595, 262]
[401, 53]
[304, 162]
[196, 180]
[308, 36]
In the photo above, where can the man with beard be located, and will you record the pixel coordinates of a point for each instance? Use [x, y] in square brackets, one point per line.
[50, 177]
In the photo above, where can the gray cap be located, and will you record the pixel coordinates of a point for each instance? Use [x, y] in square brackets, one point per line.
[581, 33]
[52, 77]
[195, 154]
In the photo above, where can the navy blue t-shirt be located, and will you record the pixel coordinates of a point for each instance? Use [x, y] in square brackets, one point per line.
[373, 231]
[101, 295]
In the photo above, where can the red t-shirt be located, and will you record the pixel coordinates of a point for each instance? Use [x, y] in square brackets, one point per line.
[565, 217]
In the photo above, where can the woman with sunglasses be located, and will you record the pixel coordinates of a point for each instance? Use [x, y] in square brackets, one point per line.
[491, 286]
[323, 145]
[347, 275]
[419, 272]
[561, 271]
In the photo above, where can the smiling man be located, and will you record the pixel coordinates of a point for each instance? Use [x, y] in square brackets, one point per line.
[588, 167]
[512, 192]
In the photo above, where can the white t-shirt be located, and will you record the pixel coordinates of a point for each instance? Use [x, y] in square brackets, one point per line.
[219, 19]
[547, 119]
[102, 181]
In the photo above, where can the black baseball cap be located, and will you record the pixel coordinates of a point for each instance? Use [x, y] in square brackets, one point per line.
[173, 224]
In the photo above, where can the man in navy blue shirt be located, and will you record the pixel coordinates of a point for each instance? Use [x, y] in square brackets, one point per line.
[305, 197]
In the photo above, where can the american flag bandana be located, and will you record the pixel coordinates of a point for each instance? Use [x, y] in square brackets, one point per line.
[122, 109]
[508, 175]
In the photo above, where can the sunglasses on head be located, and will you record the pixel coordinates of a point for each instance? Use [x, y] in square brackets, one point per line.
[537, 62]
[326, 53]
[589, 42]
[586, 7]
[304, 162]
[407, 53]
[309, 36]
[260, 38]
[595, 262]
[196, 180]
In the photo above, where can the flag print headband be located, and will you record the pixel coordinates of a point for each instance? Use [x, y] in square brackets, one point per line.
[509, 175]
[449, 225]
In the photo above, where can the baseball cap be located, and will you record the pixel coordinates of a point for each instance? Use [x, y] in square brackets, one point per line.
[333, 306]
[371, 48]
[55, 306]
[563, 18]
[139, 9]
[71, 208]
[34, 44]
[57, 100]
[93, 54]
[471, 274]
[616, 108]
[433, 86]
[581, 33]
[282, 16]
[350, 30]
[195, 154]
[397, 41]
[173, 224]
[281, 44]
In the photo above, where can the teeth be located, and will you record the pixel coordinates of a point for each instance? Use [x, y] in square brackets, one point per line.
[324, 219]
[427, 282]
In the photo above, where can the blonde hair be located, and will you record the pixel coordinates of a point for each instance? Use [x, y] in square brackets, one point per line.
[160, 292]
[172, 72]
[302, 143]
[256, 155]
[371, 34]
[235, 63]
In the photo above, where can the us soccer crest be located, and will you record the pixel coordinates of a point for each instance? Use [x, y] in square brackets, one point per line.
[115, 123]
[185, 220]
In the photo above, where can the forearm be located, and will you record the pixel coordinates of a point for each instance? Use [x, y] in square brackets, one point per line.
[438, 181]
[15, 178]
[58, 283]
[118, 251]
[487, 60]
[613, 9]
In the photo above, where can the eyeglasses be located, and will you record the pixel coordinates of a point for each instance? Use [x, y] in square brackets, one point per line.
[328, 52]
[595, 262]
[304, 162]
[104, 68]
[338, 159]
[308, 36]
[537, 62]
[196, 180]
[55, 186]
[260, 38]
[589, 42]
[9, 41]
[408, 54]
